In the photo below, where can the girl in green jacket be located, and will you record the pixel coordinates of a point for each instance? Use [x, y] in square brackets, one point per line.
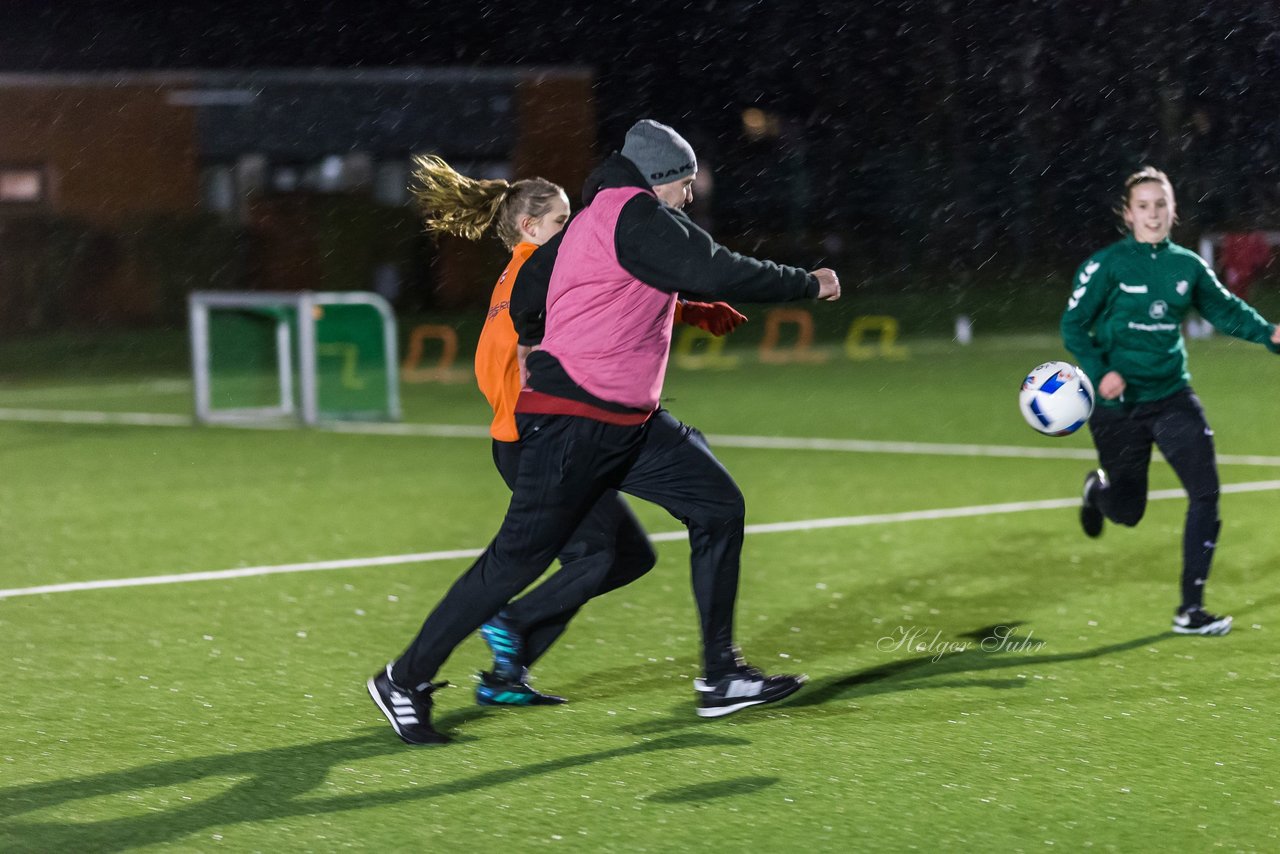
[1123, 323]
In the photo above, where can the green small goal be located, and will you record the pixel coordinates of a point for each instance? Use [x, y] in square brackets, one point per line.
[309, 356]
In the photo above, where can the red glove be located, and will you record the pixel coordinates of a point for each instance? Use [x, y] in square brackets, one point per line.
[718, 318]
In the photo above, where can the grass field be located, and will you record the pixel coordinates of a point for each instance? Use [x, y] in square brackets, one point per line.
[231, 714]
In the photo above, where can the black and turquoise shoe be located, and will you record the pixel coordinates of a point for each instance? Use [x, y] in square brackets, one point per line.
[507, 646]
[496, 691]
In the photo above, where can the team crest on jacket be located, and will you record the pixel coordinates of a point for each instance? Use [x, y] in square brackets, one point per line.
[1158, 309]
[1181, 287]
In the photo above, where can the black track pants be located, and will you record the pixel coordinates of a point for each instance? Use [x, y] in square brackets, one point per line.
[609, 549]
[567, 464]
[1177, 426]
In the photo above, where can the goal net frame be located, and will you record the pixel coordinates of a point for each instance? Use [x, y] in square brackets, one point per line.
[300, 358]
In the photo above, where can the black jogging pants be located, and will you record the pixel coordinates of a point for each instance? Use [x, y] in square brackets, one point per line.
[1177, 426]
[567, 463]
[609, 549]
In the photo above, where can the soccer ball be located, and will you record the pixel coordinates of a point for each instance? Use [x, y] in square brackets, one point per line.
[1056, 398]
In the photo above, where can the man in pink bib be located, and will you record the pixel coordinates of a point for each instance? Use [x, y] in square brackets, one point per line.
[596, 303]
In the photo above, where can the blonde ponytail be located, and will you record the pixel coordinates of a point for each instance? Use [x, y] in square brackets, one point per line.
[451, 202]
[465, 207]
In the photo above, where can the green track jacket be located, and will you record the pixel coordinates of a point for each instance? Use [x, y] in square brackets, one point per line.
[1126, 310]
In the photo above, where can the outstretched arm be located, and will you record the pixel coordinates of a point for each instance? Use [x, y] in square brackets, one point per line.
[1231, 315]
[665, 249]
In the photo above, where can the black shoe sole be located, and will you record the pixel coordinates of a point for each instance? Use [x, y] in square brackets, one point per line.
[1091, 517]
[1217, 628]
[1091, 522]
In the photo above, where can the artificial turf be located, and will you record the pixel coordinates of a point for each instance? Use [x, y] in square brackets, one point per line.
[990, 682]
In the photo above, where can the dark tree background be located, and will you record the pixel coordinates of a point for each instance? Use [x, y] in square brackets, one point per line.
[907, 136]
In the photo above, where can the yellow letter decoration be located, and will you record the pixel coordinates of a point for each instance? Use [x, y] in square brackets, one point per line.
[802, 351]
[410, 371]
[887, 346]
[350, 356]
[692, 358]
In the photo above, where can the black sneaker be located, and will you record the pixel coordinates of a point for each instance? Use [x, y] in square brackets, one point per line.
[496, 691]
[745, 687]
[1090, 514]
[507, 646]
[408, 710]
[1198, 621]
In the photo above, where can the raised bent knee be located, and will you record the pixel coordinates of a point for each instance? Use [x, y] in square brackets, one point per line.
[729, 511]
[1129, 517]
[1125, 504]
[636, 558]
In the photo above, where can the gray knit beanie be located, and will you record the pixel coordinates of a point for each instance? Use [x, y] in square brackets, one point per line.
[661, 154]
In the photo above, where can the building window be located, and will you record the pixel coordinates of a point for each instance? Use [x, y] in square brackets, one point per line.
[218, 189]
[22, 185]
[391, 183]
[334, 173]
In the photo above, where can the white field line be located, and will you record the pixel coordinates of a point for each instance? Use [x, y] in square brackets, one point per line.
[127, 419]
[666, 536]
[468, 431]
[124, 389]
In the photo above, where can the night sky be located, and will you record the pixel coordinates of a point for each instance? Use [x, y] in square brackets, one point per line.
[924, 124]
[680, 59]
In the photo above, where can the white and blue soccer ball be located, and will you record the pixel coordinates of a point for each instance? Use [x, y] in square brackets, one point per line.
[1056, 398]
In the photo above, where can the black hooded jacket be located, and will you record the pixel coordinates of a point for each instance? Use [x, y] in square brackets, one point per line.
[662, 247]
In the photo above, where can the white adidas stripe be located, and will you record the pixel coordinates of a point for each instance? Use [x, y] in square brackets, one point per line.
[743, 688]
[403, 708]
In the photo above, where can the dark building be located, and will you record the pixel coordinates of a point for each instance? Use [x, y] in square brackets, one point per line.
[289, 167]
